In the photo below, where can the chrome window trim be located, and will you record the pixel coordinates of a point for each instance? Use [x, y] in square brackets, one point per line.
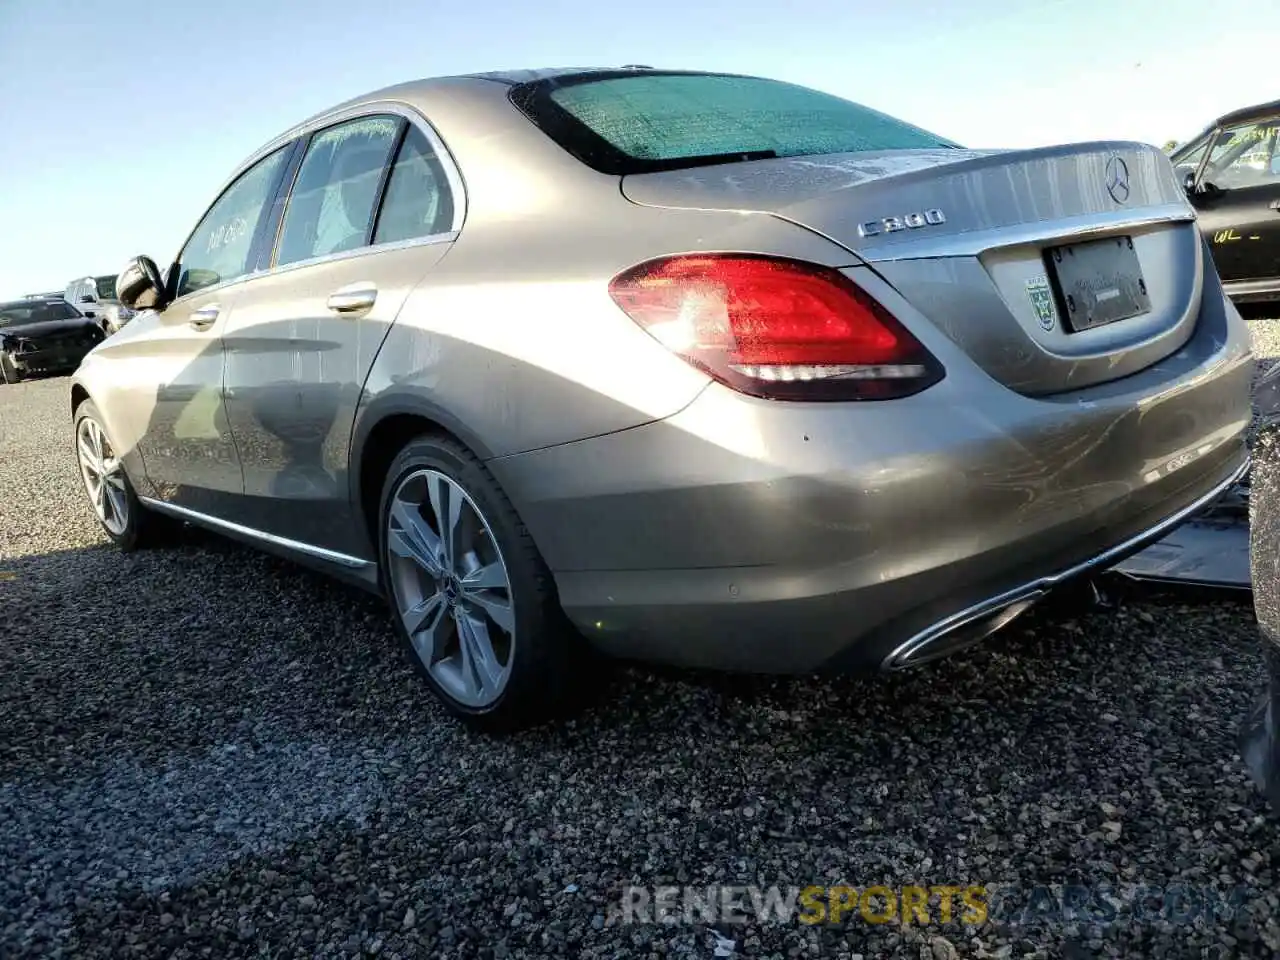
[357, 252]
[304, 131]
[297, 546]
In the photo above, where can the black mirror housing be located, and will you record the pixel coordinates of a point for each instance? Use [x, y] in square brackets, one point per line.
[140, 285]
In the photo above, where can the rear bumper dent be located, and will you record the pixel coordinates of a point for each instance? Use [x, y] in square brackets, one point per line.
[987, 614]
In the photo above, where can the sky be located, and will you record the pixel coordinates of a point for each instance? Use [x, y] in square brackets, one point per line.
[119, 122]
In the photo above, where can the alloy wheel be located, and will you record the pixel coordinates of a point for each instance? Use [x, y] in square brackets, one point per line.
[450, 587]
[103, 476]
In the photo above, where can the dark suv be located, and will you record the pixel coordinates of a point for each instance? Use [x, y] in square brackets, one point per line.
[1232, 174]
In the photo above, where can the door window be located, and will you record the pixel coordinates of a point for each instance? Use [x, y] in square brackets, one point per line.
[1244, 156]
[219, 249]
[332, 203]
[1187, 159]
[418, 202]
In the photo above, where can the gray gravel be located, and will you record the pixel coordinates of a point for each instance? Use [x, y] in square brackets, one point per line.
[208, 752]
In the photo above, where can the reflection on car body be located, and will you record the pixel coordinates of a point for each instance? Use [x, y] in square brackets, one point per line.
[607, 349]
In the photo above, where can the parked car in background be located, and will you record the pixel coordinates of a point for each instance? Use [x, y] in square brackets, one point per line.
[96, 298]
[720, 371]
[1232, 174]
[43, 335]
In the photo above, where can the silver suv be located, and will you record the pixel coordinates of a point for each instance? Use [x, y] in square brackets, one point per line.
[95, 297]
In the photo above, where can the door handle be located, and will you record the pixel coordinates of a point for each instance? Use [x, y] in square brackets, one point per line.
[353, 297]
[204, 317]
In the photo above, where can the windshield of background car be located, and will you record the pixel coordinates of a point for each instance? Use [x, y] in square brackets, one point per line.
[1242, 156]
[1189, 156]
[35, 311]
[639, 123]
[106, 287]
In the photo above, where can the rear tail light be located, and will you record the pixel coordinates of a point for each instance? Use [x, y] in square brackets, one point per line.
[775, 328]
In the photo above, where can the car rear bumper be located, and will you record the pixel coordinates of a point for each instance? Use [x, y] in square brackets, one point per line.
[784, 537]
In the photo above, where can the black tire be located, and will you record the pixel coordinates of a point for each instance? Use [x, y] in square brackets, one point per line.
[8, 370]
[549, 660]
[142, 527]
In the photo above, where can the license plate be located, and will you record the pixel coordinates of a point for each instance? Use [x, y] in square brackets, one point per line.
[1097, 282]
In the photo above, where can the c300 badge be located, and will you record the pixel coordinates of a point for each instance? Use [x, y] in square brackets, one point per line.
[908, 221]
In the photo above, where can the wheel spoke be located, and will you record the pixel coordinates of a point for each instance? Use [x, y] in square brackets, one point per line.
[100, 497]
[426, 623]
[116, 498]
[489, 577]
[498, 609]
[446, 502]
[479, 665]
[411, 537]
[87, 455]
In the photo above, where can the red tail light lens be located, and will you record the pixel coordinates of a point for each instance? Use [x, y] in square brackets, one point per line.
[776, 328]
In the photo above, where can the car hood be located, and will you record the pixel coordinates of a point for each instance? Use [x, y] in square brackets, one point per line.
[46, 327]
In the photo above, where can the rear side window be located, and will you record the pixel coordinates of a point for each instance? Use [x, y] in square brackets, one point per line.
[637, 123]
[331, 206]
[418, 200]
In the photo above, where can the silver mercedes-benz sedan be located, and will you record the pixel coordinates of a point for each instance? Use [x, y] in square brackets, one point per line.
[698, 368]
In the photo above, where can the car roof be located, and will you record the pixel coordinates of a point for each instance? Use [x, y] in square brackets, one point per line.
[429, 89]
[1259, 111]
[31, 301]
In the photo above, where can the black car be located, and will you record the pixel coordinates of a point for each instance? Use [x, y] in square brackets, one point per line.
[43, 335]
[1232, 174]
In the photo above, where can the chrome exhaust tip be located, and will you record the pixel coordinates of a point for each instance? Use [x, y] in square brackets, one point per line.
[948, 637]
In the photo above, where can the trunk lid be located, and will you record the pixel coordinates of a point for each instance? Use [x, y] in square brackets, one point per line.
[968, 238]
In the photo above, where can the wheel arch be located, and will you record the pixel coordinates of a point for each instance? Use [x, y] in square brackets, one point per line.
[78, 396]
[381, 431]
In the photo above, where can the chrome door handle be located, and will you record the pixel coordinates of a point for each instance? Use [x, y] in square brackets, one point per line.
[353, 297]
[202, 318]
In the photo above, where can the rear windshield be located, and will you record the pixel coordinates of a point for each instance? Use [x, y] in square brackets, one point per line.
[638, 123]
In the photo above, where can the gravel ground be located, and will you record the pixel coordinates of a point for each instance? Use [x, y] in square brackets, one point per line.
[206, 752]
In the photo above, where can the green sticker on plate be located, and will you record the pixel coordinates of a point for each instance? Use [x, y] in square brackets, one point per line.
[1041, 295]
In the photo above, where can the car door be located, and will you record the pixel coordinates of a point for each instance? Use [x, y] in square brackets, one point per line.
[1237, 199]
[176, 354]
[369, 213]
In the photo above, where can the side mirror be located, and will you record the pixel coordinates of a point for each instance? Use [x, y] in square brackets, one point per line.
[87, 298]
[1189, 182]
[140, 286]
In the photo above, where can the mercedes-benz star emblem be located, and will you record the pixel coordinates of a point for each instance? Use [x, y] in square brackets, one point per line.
[1118, 179]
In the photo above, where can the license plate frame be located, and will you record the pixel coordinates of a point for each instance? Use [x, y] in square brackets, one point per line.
[1097, 282]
